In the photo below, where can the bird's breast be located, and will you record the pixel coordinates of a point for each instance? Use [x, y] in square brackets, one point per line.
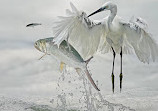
[115, 38]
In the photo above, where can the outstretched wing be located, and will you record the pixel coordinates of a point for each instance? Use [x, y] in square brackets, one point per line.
[137, 35]
[83, 33]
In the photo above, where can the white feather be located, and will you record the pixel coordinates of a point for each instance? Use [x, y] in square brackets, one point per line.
[141, 40]
[80, 31]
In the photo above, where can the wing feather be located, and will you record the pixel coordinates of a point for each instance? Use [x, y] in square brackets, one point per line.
[74, 9]
[137, 35]
[83, 33]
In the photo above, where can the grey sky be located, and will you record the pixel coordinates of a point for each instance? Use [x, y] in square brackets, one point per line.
[16, 14]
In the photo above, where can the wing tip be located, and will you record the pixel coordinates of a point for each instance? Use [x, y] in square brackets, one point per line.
[73, 7]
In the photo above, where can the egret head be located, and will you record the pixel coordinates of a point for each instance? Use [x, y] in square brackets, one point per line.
[106, 6]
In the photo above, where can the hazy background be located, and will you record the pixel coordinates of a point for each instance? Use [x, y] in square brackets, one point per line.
[23, 75]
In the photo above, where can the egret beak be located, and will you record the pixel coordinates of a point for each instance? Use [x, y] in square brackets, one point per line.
[99, 10]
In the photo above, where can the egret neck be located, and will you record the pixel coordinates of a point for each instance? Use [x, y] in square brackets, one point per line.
[112, 16]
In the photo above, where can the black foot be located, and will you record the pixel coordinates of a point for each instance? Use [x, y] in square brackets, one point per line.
[113, 77]
[121, 76]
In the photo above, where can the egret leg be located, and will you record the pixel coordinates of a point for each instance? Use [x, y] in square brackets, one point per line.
[112, 76]
[121, 75]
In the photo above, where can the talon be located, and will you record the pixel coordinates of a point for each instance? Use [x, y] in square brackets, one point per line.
[121, 76]
[112, 77]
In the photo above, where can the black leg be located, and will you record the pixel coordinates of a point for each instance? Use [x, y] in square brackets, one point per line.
[112, 76]
[121, 75]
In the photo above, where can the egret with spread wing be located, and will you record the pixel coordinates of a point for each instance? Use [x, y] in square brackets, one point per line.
[117, 35]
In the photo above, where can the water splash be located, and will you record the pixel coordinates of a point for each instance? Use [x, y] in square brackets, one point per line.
[86, 99]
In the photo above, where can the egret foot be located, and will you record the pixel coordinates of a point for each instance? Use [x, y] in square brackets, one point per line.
[121, 76]
[113, 77]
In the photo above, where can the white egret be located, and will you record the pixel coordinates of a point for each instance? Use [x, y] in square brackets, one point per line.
[116, 34]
